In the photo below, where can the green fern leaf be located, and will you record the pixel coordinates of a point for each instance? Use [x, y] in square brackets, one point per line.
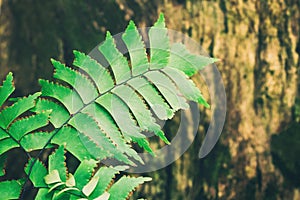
[88, 126]
[69, 98]
[121, 189]
[135, 46]
[96, 71]
[85, 184]
[152, 97]
[59, 114]
[121, 114]
[159, 44]
[106, 176]
[77, 144]
[37, 174]
[57, 162]
[57, 186]
[170, 93]
[12, 130]
[117, 61]
[79, 82]
[107, 124]
[11, 189]
[36, 141]
[10, 113]
[186, 62]
[7, 144]
[25, 125]
[84, 173]
[185, 85]
[96, 114]
[6, 89]
[15, 132]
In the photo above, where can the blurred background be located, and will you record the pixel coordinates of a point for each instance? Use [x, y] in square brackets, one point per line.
[258, 42]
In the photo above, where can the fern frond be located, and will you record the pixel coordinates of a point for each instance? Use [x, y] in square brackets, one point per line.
[96, 112]
[104, 112]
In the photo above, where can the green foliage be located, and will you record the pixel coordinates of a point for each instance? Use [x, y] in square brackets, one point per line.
[11, 189]
[95, 113]
[56, 183]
